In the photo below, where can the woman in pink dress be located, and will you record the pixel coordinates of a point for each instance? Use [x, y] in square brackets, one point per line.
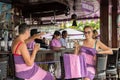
[89, 49]
[25, 67]
[55, 43]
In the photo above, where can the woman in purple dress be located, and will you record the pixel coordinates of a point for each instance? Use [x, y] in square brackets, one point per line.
[55, 43]
[89, 49]
[25, 66]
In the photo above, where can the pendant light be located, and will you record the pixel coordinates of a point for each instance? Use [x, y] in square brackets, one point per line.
[74, 16]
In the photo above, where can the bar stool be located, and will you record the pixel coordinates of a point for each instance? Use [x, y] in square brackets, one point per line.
[112, 65]
[101, 67]
[12, 66]
[3, 70]
[0, 74]
[62, 68]
[118, 63]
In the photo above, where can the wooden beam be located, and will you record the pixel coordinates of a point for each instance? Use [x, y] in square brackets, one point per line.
[114, 24]
[104, 35]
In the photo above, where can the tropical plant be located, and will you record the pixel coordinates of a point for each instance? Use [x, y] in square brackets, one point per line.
[80, 24]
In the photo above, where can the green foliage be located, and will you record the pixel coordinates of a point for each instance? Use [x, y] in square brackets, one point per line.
[80, 24]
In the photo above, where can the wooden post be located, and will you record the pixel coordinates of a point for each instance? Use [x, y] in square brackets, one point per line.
[114, 24]
[104, 35]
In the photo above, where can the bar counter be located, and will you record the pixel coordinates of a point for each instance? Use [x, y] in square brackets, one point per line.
[50, 55]
[45, 58]
[5, 52]
[41, 51]
[49, 59]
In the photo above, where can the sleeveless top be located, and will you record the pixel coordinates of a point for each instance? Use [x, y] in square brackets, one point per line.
[26, 72]
[89, 55]
[21, 68]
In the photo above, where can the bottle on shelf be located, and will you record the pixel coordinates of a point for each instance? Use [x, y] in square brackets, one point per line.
[9, 42]
[2, 43]
[6, 40]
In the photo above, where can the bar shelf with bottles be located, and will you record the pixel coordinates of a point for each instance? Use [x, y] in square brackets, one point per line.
[5, 40]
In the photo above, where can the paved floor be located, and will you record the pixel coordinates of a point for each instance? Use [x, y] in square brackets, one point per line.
[9, 78]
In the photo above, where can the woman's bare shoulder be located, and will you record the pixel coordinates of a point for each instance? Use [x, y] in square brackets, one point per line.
[16, 43]
[98, 41]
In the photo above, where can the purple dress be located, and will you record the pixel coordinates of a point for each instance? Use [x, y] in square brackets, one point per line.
[80, 66]
[33, 72]
[89, 55]
[55, 43]
[31, 45]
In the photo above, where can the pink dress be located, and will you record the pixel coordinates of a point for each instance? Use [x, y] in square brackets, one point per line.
[80, 66]
[31, 45]
[83, 65]
[55, 43]
[25, 72]
[89, 55]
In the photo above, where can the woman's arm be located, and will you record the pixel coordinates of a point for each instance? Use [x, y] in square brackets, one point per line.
[29, 39]
[35, 36]
[105, 49]
[29, 59]
[77, 48]
[76, 51]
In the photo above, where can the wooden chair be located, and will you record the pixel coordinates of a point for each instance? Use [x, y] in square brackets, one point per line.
[3, 70]
[112, 66]
[118, 63]
[101, 64]
[12, 66]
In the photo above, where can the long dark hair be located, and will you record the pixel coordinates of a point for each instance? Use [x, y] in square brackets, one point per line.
[95, 34]
[56, 33]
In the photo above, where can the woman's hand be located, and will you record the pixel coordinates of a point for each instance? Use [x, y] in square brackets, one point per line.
[36, 47]
[77, 47]
[35, 36]
[76, 44]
